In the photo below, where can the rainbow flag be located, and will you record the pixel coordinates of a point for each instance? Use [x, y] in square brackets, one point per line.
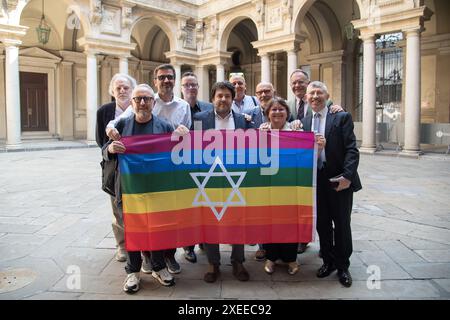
[232, 187]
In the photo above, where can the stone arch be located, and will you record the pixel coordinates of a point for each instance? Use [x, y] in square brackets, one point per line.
[229, 25]
[322, 26]
[30, 15]
[152, 42]
[159, 22]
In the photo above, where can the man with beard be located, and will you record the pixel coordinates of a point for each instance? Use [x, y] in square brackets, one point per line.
[141, 122]
[120, 88]
[223, 118]
[176, 112]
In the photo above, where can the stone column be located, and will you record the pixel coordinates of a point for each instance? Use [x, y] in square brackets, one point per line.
[292, 65]
[12, 88]
[177, 87]
[203, 81]
[412, 92]
[220, 73]
[369, 96]
[315, 72]
[265, 67]
[66, 120]
[91, 95]
[123, 65]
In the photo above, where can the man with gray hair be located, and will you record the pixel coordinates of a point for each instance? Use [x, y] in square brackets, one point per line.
[337, 179]
[141, 122]
[120, 87]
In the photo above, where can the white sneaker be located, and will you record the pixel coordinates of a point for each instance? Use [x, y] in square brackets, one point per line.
[164, 277]
[121, 254]
[131, 284]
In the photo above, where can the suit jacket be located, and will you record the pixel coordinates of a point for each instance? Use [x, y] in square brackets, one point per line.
[208, 119]
[125, 127]
[293, 108]
[105, 114]
[205, 106]
[257, 117]
[342, 155]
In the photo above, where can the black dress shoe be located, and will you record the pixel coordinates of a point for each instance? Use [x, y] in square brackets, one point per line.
[345, 278]
[190, 256]
[325, 270]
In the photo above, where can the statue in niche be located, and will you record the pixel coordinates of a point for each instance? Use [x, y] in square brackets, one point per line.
[96, 11]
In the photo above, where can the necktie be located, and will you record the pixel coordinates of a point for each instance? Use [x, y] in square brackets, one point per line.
[317, 130]
[301, 110]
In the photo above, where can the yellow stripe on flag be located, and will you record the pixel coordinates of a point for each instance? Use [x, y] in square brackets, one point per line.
[183, 199]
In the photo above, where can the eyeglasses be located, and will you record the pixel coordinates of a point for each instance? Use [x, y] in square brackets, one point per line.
[267, 91]
[146, 99]
[162, 77]
[190, 85]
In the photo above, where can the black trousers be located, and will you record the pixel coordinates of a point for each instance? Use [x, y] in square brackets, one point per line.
[134, 260]
[333, 222]
[287, 252]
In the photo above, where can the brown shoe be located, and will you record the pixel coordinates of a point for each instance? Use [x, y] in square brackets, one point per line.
[240, 272]
[212, 274]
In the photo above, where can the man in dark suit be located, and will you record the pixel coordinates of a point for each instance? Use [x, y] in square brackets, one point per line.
[223, 118]
[120, 87]
[337, 179]
[189, 88]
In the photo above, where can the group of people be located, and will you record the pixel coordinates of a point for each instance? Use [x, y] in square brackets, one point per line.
[137, 109]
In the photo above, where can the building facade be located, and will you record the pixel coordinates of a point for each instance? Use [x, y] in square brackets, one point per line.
[385, 61]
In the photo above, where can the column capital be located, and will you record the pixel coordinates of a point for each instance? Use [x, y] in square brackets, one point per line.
[367, 37]
[107, 47]
[12, 35]
[413, 32]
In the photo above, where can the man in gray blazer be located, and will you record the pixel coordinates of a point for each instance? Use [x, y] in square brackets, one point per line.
[223, 118]
[141, 122]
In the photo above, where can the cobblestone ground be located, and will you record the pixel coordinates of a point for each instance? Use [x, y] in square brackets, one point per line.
[55, 220]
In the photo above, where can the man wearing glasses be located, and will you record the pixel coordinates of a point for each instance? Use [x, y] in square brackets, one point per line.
[142, 121]
[189, 88]
[173, 109]
[242, 103]
[176, 112]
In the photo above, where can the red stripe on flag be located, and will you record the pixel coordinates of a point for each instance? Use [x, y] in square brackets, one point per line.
[187, 218]
[214, 234]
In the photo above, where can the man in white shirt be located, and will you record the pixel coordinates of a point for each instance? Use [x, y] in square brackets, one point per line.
[242, 103]
[168, 107]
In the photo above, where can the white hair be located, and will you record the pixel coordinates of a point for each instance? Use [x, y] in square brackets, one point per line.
[117, 76]
[317, 85]
[144, 86]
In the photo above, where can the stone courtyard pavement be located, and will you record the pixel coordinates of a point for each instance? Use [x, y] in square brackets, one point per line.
[55, 220]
